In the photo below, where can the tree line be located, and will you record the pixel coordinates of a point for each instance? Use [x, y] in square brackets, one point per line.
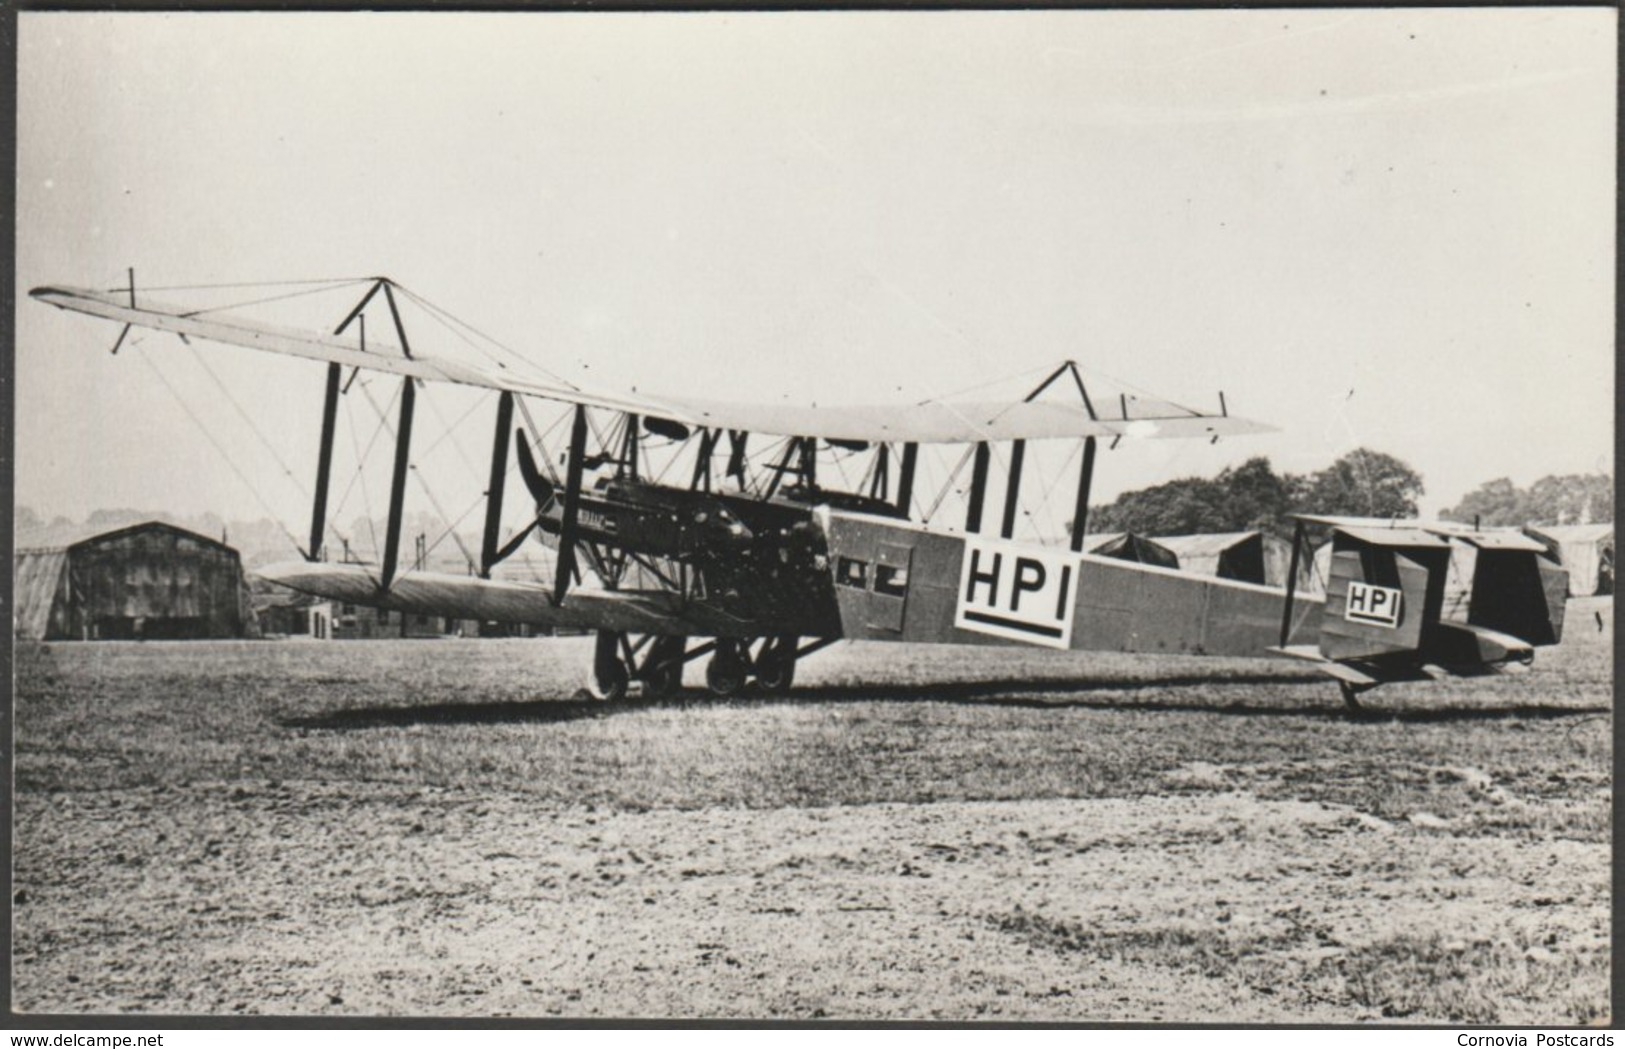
[1363, 483]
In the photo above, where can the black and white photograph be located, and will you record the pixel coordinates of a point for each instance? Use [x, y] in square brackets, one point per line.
[989, 516]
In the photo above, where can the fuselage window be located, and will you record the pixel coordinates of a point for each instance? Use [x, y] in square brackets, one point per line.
[889, 579]
[852, 573]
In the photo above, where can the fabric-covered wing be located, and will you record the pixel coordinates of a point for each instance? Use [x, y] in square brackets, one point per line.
[934, 422]
[470, 597]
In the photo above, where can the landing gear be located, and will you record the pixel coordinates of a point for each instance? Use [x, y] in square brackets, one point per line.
[776, 664]
[609, 676]
[729, 668]
[1350, 691]
[655, 664]
[662, 671]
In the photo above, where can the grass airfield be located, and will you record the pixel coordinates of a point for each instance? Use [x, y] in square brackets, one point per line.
[441, 828]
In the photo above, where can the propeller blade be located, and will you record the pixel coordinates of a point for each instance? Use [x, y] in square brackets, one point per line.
[572, 500]
[540, 487]
[566, 569]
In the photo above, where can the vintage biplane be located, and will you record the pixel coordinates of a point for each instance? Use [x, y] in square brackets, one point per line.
[765, 561]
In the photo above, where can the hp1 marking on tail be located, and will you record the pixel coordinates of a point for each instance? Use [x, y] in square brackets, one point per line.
[1016, 592]
[1378, 605]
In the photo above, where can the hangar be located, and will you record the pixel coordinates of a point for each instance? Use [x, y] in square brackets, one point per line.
[1251, 557]
[1586, 550]
[1128, 546]
[144, 581]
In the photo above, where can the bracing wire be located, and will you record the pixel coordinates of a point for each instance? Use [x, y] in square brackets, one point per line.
[264, 440]
[948, 485]
[261, 302]
[451, 526]
[451, 530]
[1046, 368]
[448, 430]
[539, 437]
[361, 463]
[248, 284]
[252, 488]
[448, 318]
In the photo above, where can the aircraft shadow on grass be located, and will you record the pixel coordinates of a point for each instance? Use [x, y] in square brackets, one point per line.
[1105, 695]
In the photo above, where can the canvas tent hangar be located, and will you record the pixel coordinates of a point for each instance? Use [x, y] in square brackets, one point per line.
[149, 580]
[1587, 551]
[1129, 546]
[1248, 557]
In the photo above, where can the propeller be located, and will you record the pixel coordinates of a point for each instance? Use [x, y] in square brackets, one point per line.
[540, 487]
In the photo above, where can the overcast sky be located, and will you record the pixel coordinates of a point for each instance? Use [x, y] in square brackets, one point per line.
[1388, 228]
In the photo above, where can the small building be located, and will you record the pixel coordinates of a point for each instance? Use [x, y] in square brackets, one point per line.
[1128, 546]
[338, 621]
[1587, 551]
[144, 581]
[1248, 557]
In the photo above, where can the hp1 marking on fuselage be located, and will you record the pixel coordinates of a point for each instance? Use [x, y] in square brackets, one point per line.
[1017, 592]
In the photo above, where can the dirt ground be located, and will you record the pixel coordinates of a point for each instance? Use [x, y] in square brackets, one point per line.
[298, 900]
[1200, 892]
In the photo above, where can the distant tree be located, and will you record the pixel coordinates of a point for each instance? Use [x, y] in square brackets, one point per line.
[1241, 498]
[1554, 499]
[26, 520]
[1253, 496]
[1363, 483]
[1190, 504]
[118, 518]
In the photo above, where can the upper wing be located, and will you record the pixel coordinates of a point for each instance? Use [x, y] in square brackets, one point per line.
[934, 422]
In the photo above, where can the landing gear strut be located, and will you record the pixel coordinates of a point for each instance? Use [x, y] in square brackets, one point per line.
[1350, 691]
[655, 663]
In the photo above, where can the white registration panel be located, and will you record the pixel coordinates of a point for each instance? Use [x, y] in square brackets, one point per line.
[1018, 592]
[1378, 605]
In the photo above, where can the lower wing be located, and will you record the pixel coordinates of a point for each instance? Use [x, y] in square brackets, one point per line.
[469, 597]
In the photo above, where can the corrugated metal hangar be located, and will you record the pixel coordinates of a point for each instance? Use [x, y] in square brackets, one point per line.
[145, 581]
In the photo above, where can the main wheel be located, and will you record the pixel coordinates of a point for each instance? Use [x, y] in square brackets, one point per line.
[608, 678]
[665, 676]
[776, 666]
[725, 674]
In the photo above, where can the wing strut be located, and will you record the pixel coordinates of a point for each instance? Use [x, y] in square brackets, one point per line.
[880, 486]
[905, 479]
[1086, 471]
[737, 440]
[499, 479]
[397, 484]
[572, 500]
[702, 460]
[1086, 479]
[978, 489]
[324, 464]
[1292, 585]
[1012, 490]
